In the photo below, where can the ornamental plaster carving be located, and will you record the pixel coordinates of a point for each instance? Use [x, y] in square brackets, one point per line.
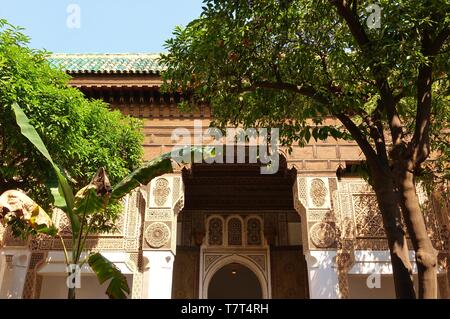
[134, 263]
[301, 185]
[158, 214]
[10, 240]
[344, 262]
[373, 244]
[136, 291]
[157, 234]
[161, 191]
[234, 226]
[260, 260]
[322, 235]
[254, 231]
[179, 205]
[320, 215]
[215, 231]
[32, 289]
[215, 261]
[360, 188]
[176, 189]
[318, 192]
[369, 222]
[209, 260]
[63, 223]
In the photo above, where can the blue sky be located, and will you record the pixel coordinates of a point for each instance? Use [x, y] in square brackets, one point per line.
[113, 26]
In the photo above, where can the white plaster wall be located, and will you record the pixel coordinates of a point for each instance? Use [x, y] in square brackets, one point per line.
[322, 275]
[54, 287]
[158, 274]
[14, 273]
[54, 276]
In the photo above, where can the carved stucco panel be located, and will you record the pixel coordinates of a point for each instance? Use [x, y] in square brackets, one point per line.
[318, 193]
[160, 192]
[157, 234]
[32, 286]
[322, 235]
[368, 219]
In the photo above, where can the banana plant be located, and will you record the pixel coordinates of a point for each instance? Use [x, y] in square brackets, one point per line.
[24, 215]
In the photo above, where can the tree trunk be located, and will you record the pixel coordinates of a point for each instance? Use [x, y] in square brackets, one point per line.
[426, 255]
[439, 200]
[71, 293]
[390, 210]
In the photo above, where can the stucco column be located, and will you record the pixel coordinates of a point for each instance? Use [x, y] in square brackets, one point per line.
[322, 276]
[313, 200]
[164, 200]
[13, 272]
[158, 274]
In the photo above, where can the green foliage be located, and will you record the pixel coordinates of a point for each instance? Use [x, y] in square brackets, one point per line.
[142, 176]
[22, 229]
[62, 193]
[294, 65]
[80, 135]
[91, 207]
[56, 124]
[88, 209]
[106, 270]
[39, 109]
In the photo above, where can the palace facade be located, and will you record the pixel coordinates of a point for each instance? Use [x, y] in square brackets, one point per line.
[221, 230]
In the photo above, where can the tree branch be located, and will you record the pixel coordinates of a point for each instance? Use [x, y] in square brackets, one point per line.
[421, 137]
[364, 43]
[303, 89]
[400, 95]
[420, 140]
[388, 103]
[376, 132]
[439, 41]
[365, 146]
[353, 23]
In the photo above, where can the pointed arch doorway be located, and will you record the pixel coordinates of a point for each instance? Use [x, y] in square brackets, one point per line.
[234, 281]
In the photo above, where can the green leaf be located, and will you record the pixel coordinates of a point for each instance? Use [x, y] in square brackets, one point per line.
[142, 176]
[87, 201]
[156, 167]
[64, 197]
[105, 270]
[51, 231]
[53, 186]
[307, 135]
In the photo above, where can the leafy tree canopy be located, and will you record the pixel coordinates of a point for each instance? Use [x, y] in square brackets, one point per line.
[81, 135]
[285, 63]
[293, 63]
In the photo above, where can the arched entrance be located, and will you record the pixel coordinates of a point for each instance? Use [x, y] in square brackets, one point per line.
[220, 276]
[234, 281]
[234, 214]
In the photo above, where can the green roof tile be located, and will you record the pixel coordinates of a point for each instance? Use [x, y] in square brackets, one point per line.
[107, 63]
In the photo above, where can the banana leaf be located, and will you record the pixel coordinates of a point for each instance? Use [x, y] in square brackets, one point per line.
[104, 269]
[156, 167]
[63, 194]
